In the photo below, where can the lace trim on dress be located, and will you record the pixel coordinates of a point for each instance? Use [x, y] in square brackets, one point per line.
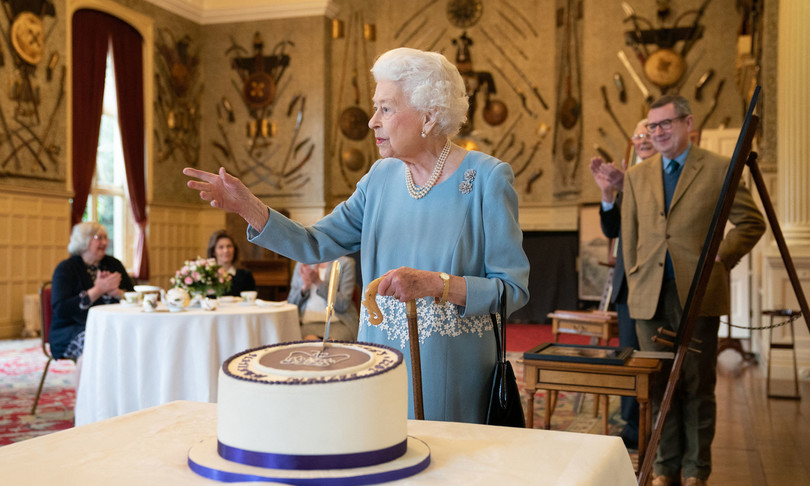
[433, 318]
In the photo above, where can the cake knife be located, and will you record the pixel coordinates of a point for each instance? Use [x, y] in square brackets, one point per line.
[330, 300]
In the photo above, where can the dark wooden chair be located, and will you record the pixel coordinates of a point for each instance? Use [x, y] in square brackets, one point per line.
[46, 315]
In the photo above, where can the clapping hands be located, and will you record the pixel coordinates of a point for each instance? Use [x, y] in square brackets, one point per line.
[608, 177]
[309, 275]
[108, 283]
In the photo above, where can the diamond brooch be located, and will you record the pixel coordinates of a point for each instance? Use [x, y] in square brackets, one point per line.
[466, 185]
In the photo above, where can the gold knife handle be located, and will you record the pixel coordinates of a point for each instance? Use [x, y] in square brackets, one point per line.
[334, 276]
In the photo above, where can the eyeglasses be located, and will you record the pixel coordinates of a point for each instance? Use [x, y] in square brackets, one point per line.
[665, 124]
[640, 136]
[100, 236]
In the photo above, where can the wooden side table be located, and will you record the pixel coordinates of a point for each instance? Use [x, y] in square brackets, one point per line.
[631, 379]
[601, 326]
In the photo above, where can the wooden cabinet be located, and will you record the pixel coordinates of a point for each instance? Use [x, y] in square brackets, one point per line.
[272, 277]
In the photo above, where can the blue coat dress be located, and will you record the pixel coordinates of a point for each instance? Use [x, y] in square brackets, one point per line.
[465, 226]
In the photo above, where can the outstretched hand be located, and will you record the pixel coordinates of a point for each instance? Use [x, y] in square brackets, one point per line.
[227, 192]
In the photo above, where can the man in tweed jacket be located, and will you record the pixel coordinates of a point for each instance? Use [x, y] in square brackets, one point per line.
[668, 205]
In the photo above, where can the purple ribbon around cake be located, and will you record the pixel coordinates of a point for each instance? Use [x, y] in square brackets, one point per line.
[307, 462]
[370, 478]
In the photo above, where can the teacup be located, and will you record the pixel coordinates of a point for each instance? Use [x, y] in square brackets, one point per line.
[248, 296]
[209, 304]
[150, 301]
[132, 298]
[147, 289]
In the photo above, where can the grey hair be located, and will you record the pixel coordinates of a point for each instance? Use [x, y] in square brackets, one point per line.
[430, 82]
[81, 235]
[680, 104]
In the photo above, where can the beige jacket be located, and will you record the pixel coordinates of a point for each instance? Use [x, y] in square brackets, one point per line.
[648, 232]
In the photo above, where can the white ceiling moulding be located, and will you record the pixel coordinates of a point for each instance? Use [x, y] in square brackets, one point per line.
[230, 11]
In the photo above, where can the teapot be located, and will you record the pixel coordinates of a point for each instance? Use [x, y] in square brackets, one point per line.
[176, 299]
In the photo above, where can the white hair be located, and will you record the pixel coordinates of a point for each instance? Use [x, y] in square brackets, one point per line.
[430, 82]
[81, 235]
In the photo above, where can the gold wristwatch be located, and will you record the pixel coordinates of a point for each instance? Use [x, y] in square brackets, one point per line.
[446, 281]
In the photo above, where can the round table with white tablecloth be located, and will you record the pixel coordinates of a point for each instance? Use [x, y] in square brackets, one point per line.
[134, 359]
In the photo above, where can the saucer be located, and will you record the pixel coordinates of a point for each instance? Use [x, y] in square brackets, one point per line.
[147, 288]
[269, 303]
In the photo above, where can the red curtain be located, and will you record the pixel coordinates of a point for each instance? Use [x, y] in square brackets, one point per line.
[89, 63]
[127, 47]
[92, 33]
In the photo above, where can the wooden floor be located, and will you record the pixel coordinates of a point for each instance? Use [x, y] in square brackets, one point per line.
[759, 441]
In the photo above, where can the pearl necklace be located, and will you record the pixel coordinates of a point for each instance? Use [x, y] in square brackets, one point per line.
[437, 171]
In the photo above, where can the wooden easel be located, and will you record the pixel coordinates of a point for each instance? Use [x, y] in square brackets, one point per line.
[698, 288]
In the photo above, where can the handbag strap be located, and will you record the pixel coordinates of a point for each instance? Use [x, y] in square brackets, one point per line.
[500, 337]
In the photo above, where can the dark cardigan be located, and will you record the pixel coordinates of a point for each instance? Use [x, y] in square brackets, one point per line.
[69, 279]
[243, 280]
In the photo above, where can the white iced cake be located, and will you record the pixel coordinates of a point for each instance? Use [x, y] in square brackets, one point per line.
[299, 406]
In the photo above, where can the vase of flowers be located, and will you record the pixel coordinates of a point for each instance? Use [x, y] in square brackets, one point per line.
[202, 277]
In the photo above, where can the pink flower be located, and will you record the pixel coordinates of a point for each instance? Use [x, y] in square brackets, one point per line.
[188, 281]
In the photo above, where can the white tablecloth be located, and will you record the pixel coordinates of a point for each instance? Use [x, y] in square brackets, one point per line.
[134, 360]
[151, 447]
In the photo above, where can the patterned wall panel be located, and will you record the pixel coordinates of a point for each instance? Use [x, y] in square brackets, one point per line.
[176, 234]
[34, 241]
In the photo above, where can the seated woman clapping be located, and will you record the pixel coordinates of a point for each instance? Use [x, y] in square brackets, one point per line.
[89, 277]
[309, 289]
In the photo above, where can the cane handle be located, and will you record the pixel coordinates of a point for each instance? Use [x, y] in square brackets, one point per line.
[374, 315]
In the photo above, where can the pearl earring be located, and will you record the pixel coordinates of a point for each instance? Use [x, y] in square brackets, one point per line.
[424, 134]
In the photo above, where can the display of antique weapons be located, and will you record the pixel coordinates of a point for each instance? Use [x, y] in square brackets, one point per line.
[701, 83]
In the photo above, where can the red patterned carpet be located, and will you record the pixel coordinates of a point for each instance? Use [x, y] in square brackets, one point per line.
[22, 362]
[21, 365]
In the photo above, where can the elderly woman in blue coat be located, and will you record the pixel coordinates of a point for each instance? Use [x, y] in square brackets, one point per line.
[438, 222]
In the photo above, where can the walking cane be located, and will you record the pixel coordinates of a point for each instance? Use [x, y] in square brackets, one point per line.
[375, 317]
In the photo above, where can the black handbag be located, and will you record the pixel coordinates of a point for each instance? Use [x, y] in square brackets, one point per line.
[505, 407]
